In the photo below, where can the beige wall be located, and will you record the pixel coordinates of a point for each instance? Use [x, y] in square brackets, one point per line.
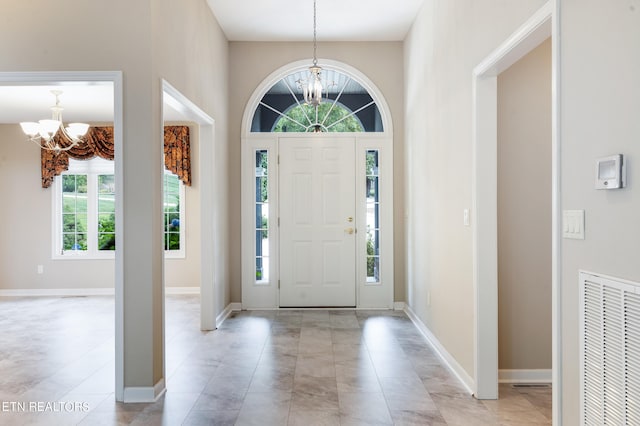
[251, 63]
[205, 84]
[524, 212]
[447, 40]
[600, 113]
[192, 53]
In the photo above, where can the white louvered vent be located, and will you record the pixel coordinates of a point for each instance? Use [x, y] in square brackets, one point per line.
[609, 351]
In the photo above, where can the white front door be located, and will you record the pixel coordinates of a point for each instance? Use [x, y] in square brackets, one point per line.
[317, 221]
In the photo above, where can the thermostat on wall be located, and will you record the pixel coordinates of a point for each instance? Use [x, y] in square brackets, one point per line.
[611, 172]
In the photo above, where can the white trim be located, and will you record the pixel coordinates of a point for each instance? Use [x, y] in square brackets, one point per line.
[525, 376]
[556, 218]
[231, 307]
[64, 292]
[526, 38]
[144, 394]
[209, 287]
[264, 295]
[399, 306]
[484, 195]
[449, 361]
[375, 295]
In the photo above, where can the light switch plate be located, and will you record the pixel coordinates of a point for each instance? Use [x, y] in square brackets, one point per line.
[573, 224]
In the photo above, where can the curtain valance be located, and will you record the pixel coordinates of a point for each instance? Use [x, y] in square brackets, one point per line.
[99, 143]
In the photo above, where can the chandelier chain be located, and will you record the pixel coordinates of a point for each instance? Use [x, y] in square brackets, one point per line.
[315, 47]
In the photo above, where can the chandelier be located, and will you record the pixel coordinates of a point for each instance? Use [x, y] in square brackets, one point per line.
[47, 133]
[312, 88]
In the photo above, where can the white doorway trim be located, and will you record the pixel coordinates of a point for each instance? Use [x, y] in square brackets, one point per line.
[114, 77]
[542, 25]
[266, 295]
[192, 112]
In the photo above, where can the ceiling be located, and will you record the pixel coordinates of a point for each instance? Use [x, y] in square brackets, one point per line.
[82, 102]
[246, 20]
[338, 20]
[88, 102]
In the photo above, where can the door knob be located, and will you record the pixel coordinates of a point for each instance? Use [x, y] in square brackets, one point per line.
[349, 231]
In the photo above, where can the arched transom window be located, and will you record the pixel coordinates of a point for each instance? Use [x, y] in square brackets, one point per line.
[346, 106]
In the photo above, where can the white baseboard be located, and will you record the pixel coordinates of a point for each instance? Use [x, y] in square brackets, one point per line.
[399, 306]
[524, 376]
[144, 394]
[226, 312]
[70, 292]
[444, 355]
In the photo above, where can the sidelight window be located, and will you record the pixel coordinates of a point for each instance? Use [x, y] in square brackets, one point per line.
[373, 216]
[262, 215]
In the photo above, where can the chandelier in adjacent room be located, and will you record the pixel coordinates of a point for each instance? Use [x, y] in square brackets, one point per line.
[47, 132]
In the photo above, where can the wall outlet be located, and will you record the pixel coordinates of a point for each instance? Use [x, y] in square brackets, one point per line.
[40, 269]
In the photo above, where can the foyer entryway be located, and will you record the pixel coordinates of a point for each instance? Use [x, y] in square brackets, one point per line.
[317, 194]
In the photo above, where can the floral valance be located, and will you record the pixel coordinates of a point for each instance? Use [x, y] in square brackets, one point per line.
[99, 143]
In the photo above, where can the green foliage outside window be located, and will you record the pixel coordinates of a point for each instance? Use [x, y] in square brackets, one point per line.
[171, 212]
[306, 115]
[106, 212]
[74, 212]
[371, 260]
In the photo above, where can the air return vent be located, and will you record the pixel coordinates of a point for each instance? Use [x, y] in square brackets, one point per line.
[609, 351]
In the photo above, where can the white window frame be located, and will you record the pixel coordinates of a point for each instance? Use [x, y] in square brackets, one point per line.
[92, 168]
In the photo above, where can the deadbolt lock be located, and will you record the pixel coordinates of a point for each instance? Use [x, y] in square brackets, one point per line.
[349, 219]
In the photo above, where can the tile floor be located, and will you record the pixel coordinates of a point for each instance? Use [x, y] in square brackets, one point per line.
[316, 367]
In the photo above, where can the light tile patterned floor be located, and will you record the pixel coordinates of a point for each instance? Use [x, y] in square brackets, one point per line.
[311, 367]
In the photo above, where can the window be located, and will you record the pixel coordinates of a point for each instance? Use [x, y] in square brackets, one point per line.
[84, 222]
[346, 106]
[373, 217]
[327, 117]
[173, 190]
[74, 212]
[262, 216]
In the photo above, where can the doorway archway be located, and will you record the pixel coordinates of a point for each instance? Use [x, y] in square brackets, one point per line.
[268, 268]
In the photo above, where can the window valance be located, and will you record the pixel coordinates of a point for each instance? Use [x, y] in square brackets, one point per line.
[99, 143]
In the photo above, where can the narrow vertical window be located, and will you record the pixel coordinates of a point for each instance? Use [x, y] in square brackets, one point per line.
[74, 212]
[171, 212]
[262, 216]
[373, 217]
[106, 212]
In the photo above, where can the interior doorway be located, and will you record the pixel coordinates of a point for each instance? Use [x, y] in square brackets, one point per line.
[175, 104]
[524, 219]
[485, 257]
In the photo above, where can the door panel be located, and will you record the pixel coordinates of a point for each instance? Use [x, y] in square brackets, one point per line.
[317, 198]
